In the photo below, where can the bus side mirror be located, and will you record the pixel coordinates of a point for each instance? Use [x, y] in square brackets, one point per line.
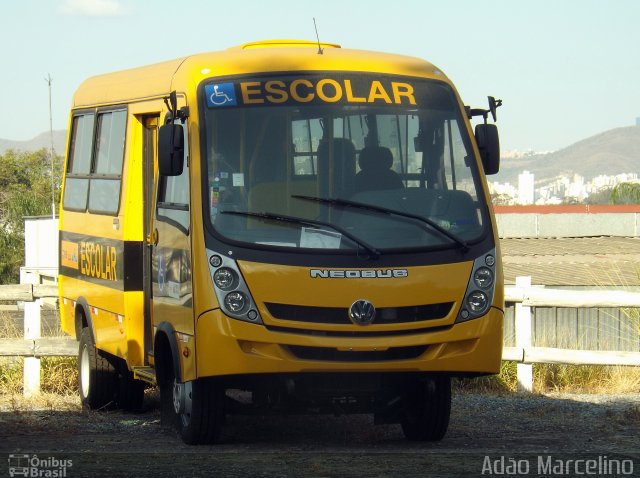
[170, 149]
[489, 146]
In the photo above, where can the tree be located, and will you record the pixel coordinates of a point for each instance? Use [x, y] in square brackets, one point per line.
[570, 200]
[603, 196]
[25, 190]
[501, 199]
[626, 193]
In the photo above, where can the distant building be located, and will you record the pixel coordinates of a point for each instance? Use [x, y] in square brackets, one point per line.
[525, 187]
[638, 121]
[577, 189]
[560, 189]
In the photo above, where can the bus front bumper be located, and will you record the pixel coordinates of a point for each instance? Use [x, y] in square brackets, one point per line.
[225, 346]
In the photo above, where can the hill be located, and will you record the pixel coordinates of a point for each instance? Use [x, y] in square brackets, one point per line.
[613, 152]
[43, 140]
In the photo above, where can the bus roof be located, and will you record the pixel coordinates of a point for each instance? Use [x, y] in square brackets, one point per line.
[182, 74]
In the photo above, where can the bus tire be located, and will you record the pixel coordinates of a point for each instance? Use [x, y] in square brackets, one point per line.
[194, 408]
[428, 409]
[96, 375]
[130, 392]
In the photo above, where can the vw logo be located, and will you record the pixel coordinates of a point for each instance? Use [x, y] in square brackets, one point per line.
[362, 312]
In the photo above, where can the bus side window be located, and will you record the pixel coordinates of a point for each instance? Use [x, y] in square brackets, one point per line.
[104, 187]
[79, 162]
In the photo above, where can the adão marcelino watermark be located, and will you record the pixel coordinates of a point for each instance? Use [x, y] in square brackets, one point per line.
[549, 465]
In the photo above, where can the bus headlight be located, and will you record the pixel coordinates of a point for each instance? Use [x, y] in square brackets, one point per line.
[225, 278]
[235, 301]
[231, 290]
[477, 302]
[483, 277]
[479, 294]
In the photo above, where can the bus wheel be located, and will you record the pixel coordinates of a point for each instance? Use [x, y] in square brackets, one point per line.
[196, 407]
[130, 392]
[96, 375]
[426, 416]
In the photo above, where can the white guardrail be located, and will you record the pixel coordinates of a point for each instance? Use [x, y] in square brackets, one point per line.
[33, 346]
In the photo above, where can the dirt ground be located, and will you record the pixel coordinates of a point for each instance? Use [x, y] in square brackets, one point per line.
[485, 431]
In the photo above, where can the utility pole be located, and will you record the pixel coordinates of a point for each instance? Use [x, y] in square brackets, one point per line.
[48, 79]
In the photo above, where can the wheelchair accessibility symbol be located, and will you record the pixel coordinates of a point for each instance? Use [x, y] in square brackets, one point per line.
[220, 94]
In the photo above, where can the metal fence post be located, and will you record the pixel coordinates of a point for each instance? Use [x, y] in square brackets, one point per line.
[523, 337]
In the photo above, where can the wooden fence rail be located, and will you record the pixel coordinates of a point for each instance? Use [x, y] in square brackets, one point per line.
[43, 347]
[523, 295]
[33, 346]
[27, 292]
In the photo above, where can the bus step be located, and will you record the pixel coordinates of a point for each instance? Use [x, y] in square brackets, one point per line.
[147, 374]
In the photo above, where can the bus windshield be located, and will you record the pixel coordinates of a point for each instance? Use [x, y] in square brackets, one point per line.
[335, 162]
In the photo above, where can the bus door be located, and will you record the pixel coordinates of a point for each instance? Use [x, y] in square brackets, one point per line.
[149, 160]
[172, 303]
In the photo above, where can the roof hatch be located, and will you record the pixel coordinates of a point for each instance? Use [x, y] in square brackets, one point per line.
[287, 44]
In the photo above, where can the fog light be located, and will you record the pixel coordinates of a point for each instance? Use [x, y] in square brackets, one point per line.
[477, 302]
[225, 278]
[483, 278]
[235, 302]
[215, 261]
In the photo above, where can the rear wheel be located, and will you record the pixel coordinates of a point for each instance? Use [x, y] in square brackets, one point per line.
[96, 375]
[427, 410]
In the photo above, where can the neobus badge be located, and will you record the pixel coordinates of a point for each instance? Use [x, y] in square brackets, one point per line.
[358, 274]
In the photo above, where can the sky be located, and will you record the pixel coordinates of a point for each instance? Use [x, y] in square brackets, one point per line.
[565, 69]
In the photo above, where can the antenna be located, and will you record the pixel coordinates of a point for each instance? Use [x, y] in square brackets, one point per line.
[317, 36]
[48, 79]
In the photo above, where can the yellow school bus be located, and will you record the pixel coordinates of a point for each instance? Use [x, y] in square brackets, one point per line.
[283, 226]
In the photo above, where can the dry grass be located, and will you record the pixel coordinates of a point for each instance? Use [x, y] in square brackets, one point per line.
[58, 375]
[632, 316]
[559, 378]
[504, 382]
[8, 328]
[586, 378]
[43, 401]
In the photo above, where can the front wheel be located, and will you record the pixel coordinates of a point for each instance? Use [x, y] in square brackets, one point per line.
[195, 408]
[97, 379]
[427, 410]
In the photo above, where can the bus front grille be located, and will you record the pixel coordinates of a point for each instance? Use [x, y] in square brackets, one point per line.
[328, 354]
[340, 315]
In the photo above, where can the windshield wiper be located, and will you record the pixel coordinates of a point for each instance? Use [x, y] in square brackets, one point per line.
[268, 216]
[369, 207]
